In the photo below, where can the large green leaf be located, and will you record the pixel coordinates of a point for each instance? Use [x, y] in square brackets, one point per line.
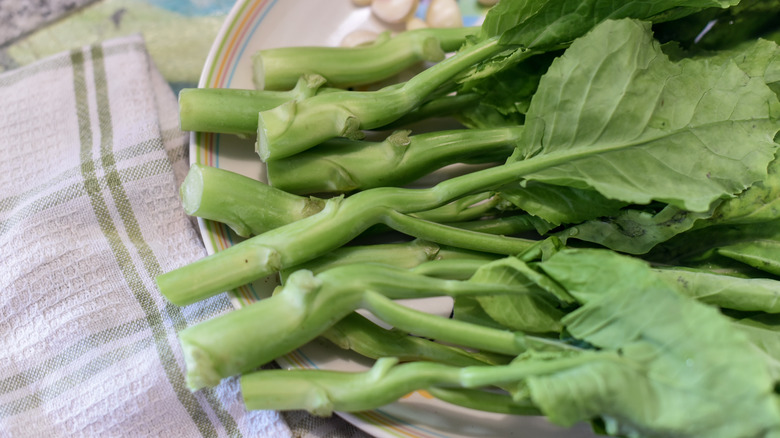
[667, 365]
[529, 27]
[638, 231]
[623, 119]
[547, 23]
[559, 205]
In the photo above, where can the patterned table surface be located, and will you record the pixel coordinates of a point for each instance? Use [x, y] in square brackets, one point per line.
[178, 33]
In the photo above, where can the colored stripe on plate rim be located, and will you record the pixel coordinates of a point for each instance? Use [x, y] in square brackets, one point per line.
[243, 21]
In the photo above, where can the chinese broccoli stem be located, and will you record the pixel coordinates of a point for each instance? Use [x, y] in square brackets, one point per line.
[484, 400]
[506, 225]
[357, 333]
[234, 111]
[321, 392]
[299, 125]
[452, 268]
[444, 106]
[308, 305]
[406, 255]
[343, 67]
[340, 221]
[249, 207]
[466, 208]
[457, 237]
[343, 165]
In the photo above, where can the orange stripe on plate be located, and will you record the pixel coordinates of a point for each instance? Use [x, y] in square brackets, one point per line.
[385, 424]
[237, 36]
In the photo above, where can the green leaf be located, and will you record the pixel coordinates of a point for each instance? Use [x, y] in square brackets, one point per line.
[759, 203]
[720, 28]
[638, 127]
[504, 95]
[701, 245]
[559, 205]
[761, 254]
[635, 231]
[468, 309]
[506, 15]
[739, 219]
[756, 57]
[763, 331]
[537, 312]
[538, 26]
[667, 366]
[638, 231]
[725, 291]
[546, 23]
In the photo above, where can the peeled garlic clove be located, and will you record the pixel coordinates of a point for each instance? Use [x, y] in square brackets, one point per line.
[394, 11]
[416, 23]
[358, 38]
[444, 13]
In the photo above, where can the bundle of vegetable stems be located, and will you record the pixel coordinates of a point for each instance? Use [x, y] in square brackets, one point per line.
[612, 255]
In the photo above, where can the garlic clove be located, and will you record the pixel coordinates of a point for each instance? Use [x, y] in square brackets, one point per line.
[444, 13]
[359, 37]
[415, 23]
[394, 11]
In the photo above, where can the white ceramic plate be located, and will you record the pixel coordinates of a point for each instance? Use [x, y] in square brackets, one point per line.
[256, 24]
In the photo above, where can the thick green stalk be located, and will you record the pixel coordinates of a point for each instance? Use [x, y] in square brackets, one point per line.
[453, 269]
[507, 225]
[305, 307]
[322, 392]
[466, 208]
[444, 106]
[279, 68]
[357, 333]
[233, 111]
[342, 165]
[297, 126]
[249, 207]
[476, 377]
[406, 255]
[340, 221]
[482, 400]
[444, 329]
[457, 237]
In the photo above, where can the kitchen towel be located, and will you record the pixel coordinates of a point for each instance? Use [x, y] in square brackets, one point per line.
[89, 216]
